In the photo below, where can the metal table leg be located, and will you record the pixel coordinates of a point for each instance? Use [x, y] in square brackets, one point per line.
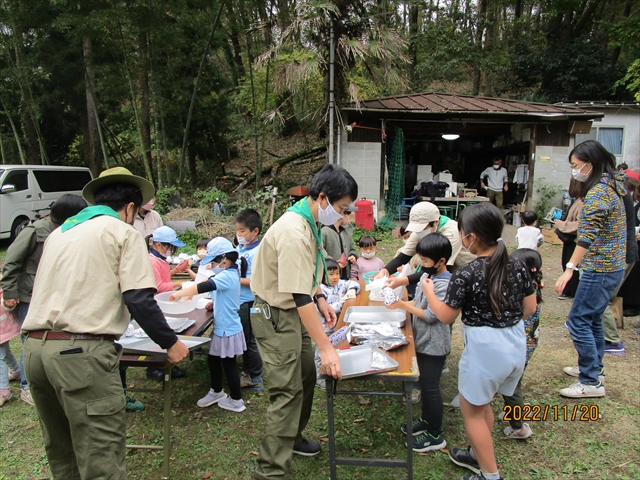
[408, 386]
[330, 420]
[166, 388]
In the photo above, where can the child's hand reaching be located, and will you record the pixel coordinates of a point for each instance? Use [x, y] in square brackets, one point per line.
[395, 305]
[351, 294]
[174, 297]
[427, 286]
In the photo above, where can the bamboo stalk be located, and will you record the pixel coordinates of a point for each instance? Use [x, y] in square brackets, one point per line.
[16, 135]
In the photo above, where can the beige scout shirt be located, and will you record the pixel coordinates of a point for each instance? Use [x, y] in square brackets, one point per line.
[459, 256]
[83, 274]
[149, 223]
[285, 262]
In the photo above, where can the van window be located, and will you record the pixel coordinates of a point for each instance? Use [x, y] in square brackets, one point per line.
[18, 178]
[62, 181]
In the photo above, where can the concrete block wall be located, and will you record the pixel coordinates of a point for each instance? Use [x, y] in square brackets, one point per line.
[363, 160]
[556, 171]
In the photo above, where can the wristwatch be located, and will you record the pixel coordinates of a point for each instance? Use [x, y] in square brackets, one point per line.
[318, 296]
[571, 266]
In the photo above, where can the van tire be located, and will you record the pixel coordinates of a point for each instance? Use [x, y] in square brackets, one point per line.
[18, 225]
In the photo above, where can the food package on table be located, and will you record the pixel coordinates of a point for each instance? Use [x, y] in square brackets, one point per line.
[389, 296]
[380, 335]
[339, 335]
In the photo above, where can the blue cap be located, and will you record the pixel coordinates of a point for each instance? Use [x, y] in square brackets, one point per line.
[166, 235]
[217, 247]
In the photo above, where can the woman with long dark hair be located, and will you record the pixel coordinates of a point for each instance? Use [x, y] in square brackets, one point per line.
[601, 252]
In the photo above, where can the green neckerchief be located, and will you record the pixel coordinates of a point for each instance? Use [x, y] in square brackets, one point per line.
[443, 220]
[302, 208]
[87, 214]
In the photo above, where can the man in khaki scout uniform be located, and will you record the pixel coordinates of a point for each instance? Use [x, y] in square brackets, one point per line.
[93, 273]
[286, 275]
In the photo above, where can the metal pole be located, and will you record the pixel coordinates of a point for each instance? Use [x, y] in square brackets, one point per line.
[331, 77]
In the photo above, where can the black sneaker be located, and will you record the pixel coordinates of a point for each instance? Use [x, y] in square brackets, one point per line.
[427, 442]
[155, 374]
[562, 296]
[177, 372]
[419, 427]
[464, 459]
[307, 448]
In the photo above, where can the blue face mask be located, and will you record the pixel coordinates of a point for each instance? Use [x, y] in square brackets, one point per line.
[216, 270]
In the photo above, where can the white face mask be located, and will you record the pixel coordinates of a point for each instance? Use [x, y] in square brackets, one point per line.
[328, 216]
[468, 249]
[202, 253]
[368, 255]
[497, 167]
[242, 241]
[217, 269]
[577, 174]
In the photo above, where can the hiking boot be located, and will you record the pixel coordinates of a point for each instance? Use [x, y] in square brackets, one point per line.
[155, 374]
[614, 348]
[427, 442]
[229, 403]
[419, 427]
[133, 405]
[463, 458]
[211, 398]
[575, 371]
[522, 434]
[25, 396]
[307, 448]
[580, 390]
[177, 372]
[245, 382]
[14, 375]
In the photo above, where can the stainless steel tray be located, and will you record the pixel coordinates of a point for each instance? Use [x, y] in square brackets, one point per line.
[147, 346]
[357, 361]
[375, 314]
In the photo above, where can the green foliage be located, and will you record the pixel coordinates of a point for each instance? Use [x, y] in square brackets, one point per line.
[189, 238]
[631, 81]
[206, 198]
[546, 197]
[163, 197]
[261, 203]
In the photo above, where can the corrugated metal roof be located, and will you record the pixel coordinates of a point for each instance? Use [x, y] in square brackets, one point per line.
[443, 103]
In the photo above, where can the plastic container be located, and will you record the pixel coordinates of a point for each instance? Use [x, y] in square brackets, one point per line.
[175, 308]
[364, 215]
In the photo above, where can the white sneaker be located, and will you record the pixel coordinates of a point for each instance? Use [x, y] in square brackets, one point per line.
[211, 398]
[575, 371]
[25, 396]
[522, 434]
[579, 390]
[233, 405]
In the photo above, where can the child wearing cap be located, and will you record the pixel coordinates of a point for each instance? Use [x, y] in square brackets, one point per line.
[163, 243]
[228, 338]
[337, 241]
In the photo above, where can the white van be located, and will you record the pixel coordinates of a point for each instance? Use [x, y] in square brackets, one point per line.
[25, 189]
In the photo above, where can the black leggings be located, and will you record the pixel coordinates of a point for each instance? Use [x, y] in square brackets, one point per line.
[216, 365]
[572, 285]
[430, 372]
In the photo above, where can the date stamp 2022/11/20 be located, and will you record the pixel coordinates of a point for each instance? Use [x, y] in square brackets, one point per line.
[538, 413]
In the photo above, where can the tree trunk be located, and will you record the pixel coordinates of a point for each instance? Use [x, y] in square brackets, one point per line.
[238, 67]
[477, 70]
[91, 135]
[16, 135]
[145, 111]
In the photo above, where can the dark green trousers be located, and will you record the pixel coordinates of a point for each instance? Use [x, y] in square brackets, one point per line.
[287, 354]
[80, 403]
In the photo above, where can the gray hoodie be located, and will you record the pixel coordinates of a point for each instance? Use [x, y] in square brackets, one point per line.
[432, 337]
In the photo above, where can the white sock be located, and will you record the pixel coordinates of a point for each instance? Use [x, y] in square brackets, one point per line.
[491, 476]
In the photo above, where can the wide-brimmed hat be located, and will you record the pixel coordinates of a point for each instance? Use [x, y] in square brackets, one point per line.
[421, 215]
[217, 247]
[118, 175]
[167, 235]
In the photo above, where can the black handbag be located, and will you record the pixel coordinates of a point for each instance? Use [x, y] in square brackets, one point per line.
[566, 237]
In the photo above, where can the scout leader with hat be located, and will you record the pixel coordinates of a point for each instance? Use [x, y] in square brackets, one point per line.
[286, 277]
[94, 274]
[425, 218]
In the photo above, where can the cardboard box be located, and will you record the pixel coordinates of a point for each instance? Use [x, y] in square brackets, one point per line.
[550, 236]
